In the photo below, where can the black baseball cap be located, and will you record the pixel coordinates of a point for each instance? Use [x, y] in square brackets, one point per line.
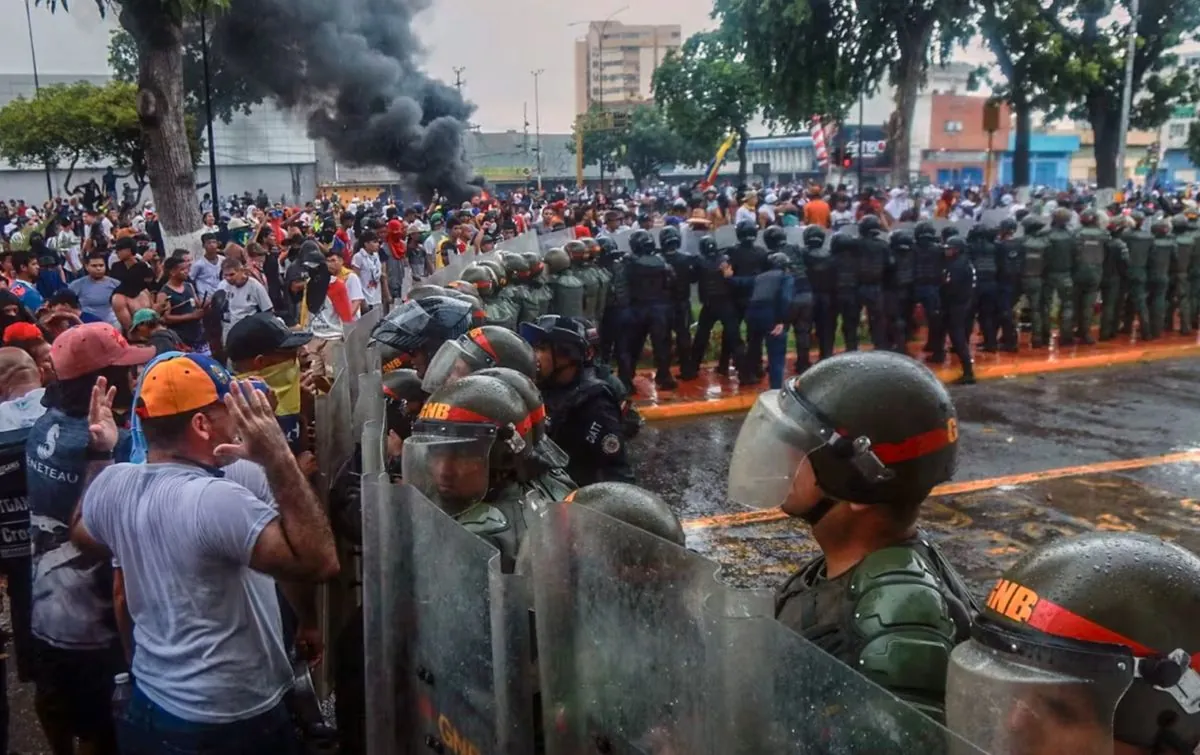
[259, 334]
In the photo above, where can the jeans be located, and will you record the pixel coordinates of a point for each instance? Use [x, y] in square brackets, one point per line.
[146, 729]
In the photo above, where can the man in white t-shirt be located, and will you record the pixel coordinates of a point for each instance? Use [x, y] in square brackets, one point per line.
[354, 287]
[369, 268]
[244, 295]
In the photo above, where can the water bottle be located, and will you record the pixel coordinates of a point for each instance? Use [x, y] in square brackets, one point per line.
[122, 693]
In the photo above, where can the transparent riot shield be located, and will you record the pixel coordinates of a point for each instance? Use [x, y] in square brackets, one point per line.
[530, 240]
[622, 641]
[964, 226]
[356, 339]
[555, 238]
[656, 234]
[906, 226]
[621, 239]
[782, 694]
[384, 540]
[994, 216]
[850, 231]
[691, 240]
[334, 434]
[369, 404]
[451, 670]
[795, 236]
[726, 237]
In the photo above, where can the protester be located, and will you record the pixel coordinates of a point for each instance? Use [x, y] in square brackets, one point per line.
[244, 296]
[180, 306]
[22, 386]
[95, 290]
[147, 327]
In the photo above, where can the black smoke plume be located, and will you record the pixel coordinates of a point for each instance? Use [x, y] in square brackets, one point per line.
[352, 67]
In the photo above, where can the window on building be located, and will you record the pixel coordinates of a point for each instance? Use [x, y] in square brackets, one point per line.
[675, 34]
[1177, 130]
[952, 127]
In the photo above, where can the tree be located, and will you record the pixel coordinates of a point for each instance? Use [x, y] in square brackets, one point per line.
[641, 140]
[1193, 142]
[157, 29]
[707, 90]
[230, 93]
[1091, 62]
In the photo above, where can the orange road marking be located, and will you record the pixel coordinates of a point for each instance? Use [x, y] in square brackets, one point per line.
[742, 518]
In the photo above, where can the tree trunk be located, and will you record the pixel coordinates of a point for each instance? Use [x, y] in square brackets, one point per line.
[70, 172]
[743, 138]
[907, 74]
[1021, 152]
[172, 176]
[1105, 122]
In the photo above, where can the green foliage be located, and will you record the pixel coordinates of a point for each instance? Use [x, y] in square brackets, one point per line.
[641, 140]
[600, 139]
[231, 93]
[708, 90]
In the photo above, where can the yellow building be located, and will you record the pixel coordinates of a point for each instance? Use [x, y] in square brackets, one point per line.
[1137, 147]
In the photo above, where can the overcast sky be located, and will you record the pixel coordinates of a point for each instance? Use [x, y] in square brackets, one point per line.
[498, 44]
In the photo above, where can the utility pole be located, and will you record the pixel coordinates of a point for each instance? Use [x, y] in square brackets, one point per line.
[37, 87]
[537, 124]
[212, 147]
[525, 140]
[458, 79]
[1126, 96]
[862, 99]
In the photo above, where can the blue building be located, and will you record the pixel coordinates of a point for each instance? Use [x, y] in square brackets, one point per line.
[1049, 159]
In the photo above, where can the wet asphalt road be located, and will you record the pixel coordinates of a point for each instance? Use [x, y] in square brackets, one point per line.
[1007, 428]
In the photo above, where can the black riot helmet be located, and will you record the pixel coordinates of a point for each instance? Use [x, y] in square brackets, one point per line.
[948, 233]
[775, 238]
[568, 336]
[641, 243]
[403, 399]
[955, 246]
[747, 230]
[869, 224]
[1094, 636]
[708, 247]
[814, 237]
[1007, 227]
[606, 244]
[635, 506]
[778, 260]
[876, 428]
[669, 239]
[924, 231]
[422, 326]
[902, 240]
[479, 349]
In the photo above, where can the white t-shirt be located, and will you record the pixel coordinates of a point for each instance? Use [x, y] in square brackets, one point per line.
[369, 269]
[244, 301]
[22, 411]
[745, 213]
[202, 617]
[354, 290]
[206, 275]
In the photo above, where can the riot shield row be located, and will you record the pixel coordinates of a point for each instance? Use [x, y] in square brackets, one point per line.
[606, 639]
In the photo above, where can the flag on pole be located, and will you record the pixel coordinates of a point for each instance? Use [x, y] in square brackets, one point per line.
[817, 132]
[710, 175]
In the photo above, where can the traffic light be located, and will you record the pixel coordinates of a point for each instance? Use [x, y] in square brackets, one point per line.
[846, 162]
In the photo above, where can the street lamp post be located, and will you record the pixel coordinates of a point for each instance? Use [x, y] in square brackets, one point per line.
[1126, 96]
[602, 29]
[37, 87]
[212, 147]
[537, 124]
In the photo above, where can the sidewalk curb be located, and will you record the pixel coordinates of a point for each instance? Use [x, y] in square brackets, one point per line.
[652, 411]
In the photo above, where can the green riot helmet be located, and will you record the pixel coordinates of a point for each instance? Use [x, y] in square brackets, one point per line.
[814, 237]
[1033, 224]
[1060, 218]
[902, 240]
[576, 250]
[925, 231]
[515, 267]
[635, 506]
[536, 265]
[1138, 217]
[774, 238]
[424, 291]
[1086, 640]
[1118, 224]
[778, 260]
[865, 427]
[403, 399]
[466, 287]
[544, 451]
[869, 224]
[1180, 223]
[1089, 218]
[482, 278]
[479, 349]
[708, 247]
[557, 260]
[468, 435]
[641, 243]
[591, 248]
[669, 239]
[498, 271]
[606, 245]
[1161, 227]
[747, 230]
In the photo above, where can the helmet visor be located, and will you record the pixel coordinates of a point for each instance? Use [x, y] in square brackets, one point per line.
[1010, 704]
[450, 468]
[776, 438]
[410, 320]
[451, 362]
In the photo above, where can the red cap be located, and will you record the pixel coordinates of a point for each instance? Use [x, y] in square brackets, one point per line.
[582, 232]
[89, 348]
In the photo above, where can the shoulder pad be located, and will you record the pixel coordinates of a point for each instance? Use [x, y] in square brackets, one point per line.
[905, 624]
[483, 519]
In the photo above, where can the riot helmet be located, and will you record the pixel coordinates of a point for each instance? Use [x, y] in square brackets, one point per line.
[869, 224]
[515, 267]
[403, 399]
[708, 247]
[1138, 217]
[560, 339]
[1033, 224]
[534, 261]
[1086, 640]
[606, 244]
[482, 278]
[1180, 223]
[669, 239]
[478, 313]
[1161, 227]
[466, 287]
[419, 328]
[778, 260]
[498, 271]
[814, 237]
[641, 243]
[425, 290]
[948, 233]
[747, 230]
[955, 246]
[774, 238]
[1060, 218]
[544, 451]
[467, 435]
[635, 506]
[1008, 226]
[576, 251]
[479, 349]
[557, 260]
[901, 240]
[925, 231]
[1118, 224]
[864, 427]
[1089, 218]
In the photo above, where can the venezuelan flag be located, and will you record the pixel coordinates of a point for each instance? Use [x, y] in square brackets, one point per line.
[710, 175]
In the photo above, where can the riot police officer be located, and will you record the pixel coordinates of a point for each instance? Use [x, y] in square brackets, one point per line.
[1090, 244]
[822, 275]
[615, 318]
[898, 289]
[1114, 286]
[1087, 644]
[577, 251]
[498, 310]
[635, 506]
[842, 249]
[871, 256]
[479, 349]
[650, 282]
[958, 291]
[517, 293]
[1034, 247]
[929, 259]
[716, 306]
[1010, 258]
[981, 249]
[583, 411]
[768, 313]
[566, 289]
[1139, 240]
[1179, 293]
[1059, 264]
[687, 272]
[535, 279]
[474, 453]
[1162, 252]
[747, 259]
[415, 330]
[801, 312]
[853, 447]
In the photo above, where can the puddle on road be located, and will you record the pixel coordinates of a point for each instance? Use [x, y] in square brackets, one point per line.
[982, 533]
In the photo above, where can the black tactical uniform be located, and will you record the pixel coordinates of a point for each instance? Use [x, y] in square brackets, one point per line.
[687, 272]
[843, 250]
[958, 292]
[898, 289]
[982, 251]
[927, 285]
[650, 281]
[747, 260]
[822, 275]
[615, 319]
[716, 306]
[1009, 261]
[871, 256]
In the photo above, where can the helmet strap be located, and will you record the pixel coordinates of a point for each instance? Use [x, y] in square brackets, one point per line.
[818, 512]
